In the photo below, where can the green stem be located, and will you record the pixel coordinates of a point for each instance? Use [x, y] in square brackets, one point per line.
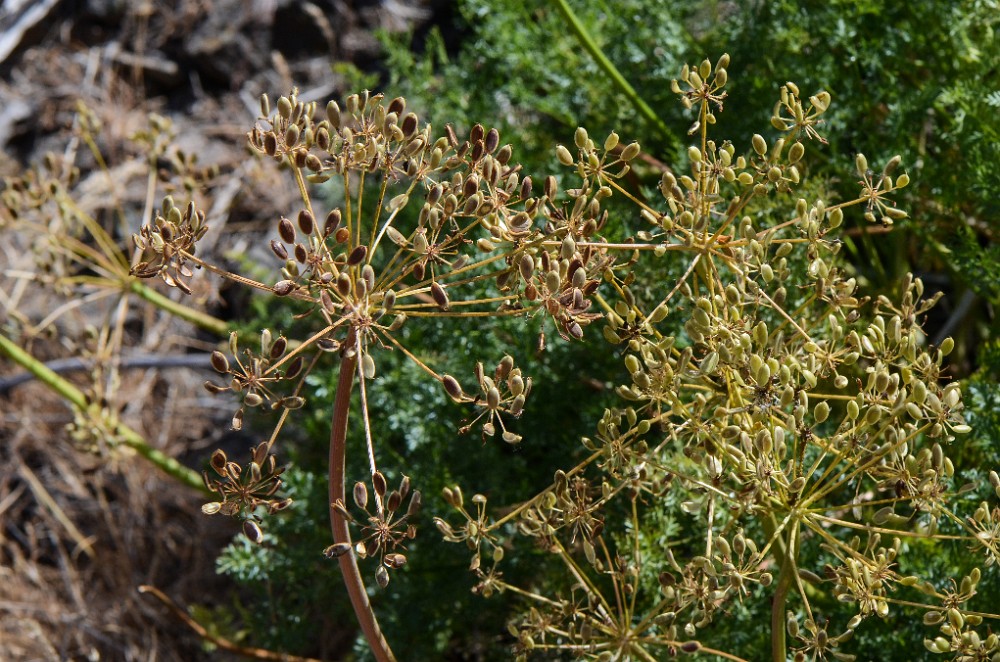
[196, 317]
[609, 68]
[779, 647]
[78, 399]
[341, 533]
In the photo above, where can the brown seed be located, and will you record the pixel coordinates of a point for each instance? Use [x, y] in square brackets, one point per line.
[323, 139]
[342, 235]
[344, 283]
[279, 249]
[526, 265]
[394, 501]
[301, 254]
[284, 287]
[312, 162]
[382, 576]
[294, 368]
[357, 255]
[476, 133]
[278, 348]
[478, 150]
[215, 388]
[306, 222]
[332, 222]
[361, 495]
[503, 156]
[551, 187]
[397, 105]
[219, 461]
[492, 140]
[409, 125]
[395, 559]
[525, 187]
[219, 362]
[470, 186]
[452, 386]
[286, 230]
[253, 532]
[337, 550]
[440, 296]
[378, 482]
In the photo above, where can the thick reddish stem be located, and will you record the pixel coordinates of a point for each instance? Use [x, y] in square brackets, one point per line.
[341, 533]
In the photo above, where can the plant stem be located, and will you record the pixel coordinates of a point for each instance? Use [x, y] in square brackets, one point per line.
[609, 68]
[341, 534]
[196, 317]
[785, 578]
[78, 400]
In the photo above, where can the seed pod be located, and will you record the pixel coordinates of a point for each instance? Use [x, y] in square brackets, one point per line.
[503, 156]
[278, 348]
[378, 482]
[284, 287]
[361, 495]
[861, 163]
[526, 186]
[337, 550]
[279, 249]
[332, 222]
[368, 366]
[440, 296]
[382, 576]
[759, 144]
[306, 222]
[631, 152]
[270, 144]
[526, 266]
[292, 135]
[253, 532]
[211, 508]
[389, 300]
[333, 114]
[550, 187]
[796, 153]
[357, 255]
[564, 155]
[452, 386]
[219, 362]
[343, 284]
[492, 140]
[286, 230]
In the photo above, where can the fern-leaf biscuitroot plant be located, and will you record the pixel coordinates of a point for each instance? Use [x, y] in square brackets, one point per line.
[797, 429]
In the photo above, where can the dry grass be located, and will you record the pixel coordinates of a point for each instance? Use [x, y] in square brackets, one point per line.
[79, 534]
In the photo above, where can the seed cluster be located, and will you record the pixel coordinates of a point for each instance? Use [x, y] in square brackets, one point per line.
[789, 409]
